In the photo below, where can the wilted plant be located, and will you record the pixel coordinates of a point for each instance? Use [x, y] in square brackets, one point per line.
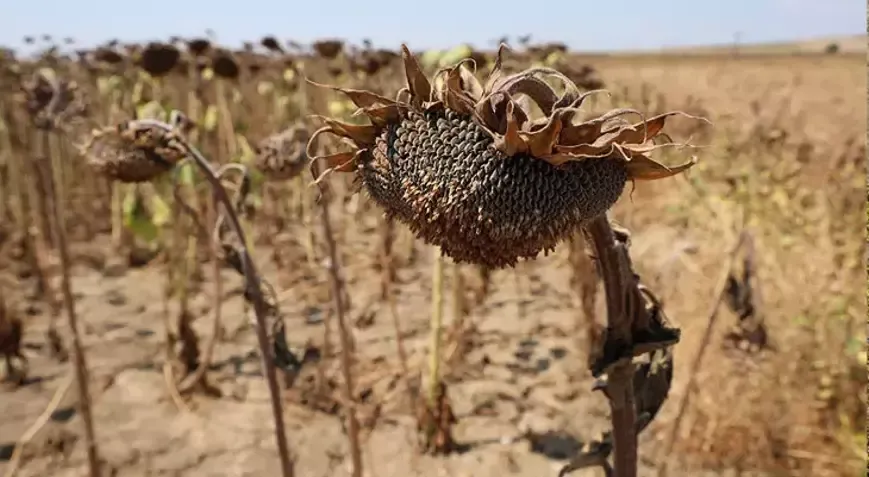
[133, 152]
[198, 46]
[471, 171]
[158, 59]
[165, 138]
[282, 156]
[340, 301]
[272, 44]
[54, 103]
[457, 161]
[224, 64]
[328, 48]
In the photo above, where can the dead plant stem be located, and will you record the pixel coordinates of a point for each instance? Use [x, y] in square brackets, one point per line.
[254, 292]
[622, 298]
[79, 362]
[343, 334]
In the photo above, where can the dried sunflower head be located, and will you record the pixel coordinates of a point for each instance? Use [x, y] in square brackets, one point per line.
[282, 156]
[272, 44]
[158, 59]
[224, 65]
[198, 46]
[52, 101]
[133, 152]
[328, 48]
[467, 167]
[108, 56]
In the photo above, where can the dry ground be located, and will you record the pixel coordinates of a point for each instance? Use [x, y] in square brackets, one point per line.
[755, 414]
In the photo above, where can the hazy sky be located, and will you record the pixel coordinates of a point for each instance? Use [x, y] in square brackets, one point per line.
[582, 24]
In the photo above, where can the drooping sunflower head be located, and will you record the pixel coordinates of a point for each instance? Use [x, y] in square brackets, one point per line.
[132, 152]
[282, 156]
[468, 167]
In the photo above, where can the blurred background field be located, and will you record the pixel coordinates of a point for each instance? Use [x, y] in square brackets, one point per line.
[782, 386]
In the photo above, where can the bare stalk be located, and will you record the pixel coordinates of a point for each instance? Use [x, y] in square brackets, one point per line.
[343, 333]
[253, 287]
[633, 329]
[436, 325]
[79, 362]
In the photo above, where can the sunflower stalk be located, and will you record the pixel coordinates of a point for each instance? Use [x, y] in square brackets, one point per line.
[631, 331]
[436, 324]
[492, 178]
[254, 286]
[51, 180]
[79, 361]
[337, 288]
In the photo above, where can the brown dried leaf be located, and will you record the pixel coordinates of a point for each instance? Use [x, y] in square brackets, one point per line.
[363, 135]
[531, 86]
[454, 96]
[420, 88]
[580, 134]
[471, 84]
[496, 73]
[580, 152]
[487, 111]
[511, 143]
[641, 167]
[541, 141]
[340, 162]
[649, 129]
[381, 115]
[361, 98]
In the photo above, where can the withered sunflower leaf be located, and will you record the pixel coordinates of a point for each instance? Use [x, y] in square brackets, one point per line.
[641, 167]
[487, 111]
[381, 115]
[497, 72]
[585, 151]
[471, 84]
[340, 162]
[541, 141]
[535, 88]
[420, 88]
[511, 143]
[578, 134]
[361, 98]
[454, 95]
[363, 135]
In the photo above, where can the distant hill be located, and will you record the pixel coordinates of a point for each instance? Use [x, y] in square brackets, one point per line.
[851, 44]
